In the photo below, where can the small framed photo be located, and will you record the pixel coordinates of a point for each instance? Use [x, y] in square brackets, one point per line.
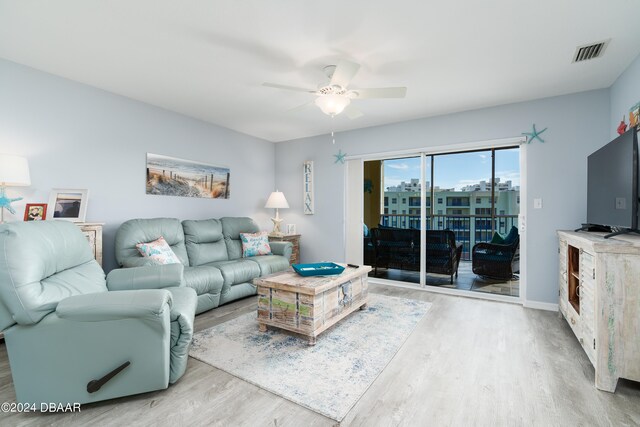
[68, 204]
[291, 229]
[35, 212]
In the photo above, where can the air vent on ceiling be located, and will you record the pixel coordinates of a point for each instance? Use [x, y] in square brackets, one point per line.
[590, 51]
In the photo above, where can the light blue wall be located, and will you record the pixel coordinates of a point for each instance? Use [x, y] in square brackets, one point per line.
[625, 93]
[577, 125]
[77, 136]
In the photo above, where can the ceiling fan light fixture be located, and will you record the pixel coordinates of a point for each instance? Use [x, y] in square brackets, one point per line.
[332, 105]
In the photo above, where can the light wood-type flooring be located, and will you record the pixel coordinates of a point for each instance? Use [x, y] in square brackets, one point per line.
[469, 362]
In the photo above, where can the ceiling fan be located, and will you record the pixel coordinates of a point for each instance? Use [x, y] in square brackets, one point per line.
[335, 97]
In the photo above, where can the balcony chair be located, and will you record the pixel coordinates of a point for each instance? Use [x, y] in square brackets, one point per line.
[73, 336]
[497, 260]
[400, 248]
[395, 248]
[442, 253]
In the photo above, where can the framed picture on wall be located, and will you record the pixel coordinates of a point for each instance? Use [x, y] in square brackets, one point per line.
[68, 204]
[171, 176]
[35, 212]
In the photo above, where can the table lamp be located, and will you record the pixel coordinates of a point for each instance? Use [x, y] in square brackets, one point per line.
[277, 201]
[14, 172]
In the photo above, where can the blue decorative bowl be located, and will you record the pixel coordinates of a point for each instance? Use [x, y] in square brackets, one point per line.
[318, 269]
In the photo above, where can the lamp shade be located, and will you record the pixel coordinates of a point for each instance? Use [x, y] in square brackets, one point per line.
[332, 104]
[14, 171]
[277, 201]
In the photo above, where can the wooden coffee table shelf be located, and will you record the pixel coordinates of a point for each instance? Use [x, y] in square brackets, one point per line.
[310, 305]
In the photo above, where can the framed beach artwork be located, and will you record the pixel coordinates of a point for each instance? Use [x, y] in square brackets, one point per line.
[170, 176]
[68, 204]
[35, 212]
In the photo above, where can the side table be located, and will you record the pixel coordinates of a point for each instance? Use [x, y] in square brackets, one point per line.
[93, 233]
[295, 240]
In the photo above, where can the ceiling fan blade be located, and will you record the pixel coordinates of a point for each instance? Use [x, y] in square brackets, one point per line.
[381, 92]
[352, 112]
[299, 107]
[344, 72]
[285, 87]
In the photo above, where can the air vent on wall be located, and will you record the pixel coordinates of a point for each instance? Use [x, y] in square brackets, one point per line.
[590, 51]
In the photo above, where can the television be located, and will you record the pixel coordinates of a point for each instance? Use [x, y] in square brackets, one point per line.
[612, 185]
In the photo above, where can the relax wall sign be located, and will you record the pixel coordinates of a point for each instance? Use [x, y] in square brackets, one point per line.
[307, 185]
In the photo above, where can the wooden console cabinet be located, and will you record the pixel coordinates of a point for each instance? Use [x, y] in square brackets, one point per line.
[599, 298]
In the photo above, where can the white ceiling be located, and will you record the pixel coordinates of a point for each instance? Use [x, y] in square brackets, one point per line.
[207, 59]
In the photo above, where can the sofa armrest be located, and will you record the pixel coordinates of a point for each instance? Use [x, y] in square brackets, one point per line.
[137, 262]
[148, 277]
[106, 306]
[282, 248]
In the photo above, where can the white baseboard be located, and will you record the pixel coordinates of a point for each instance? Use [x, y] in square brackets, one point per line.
[541, 305]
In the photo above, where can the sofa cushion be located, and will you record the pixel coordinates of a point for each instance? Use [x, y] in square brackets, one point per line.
[204, 241]
[203, 279]
[254, 244]
[158, 251]
[237, 271]
[270, 263]
[231, 229]
[42, 263]
[135, 231]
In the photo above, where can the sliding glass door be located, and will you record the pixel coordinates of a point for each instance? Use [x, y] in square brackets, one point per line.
[413, 205]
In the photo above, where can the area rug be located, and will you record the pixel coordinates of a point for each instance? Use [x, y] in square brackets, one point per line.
[328, 378]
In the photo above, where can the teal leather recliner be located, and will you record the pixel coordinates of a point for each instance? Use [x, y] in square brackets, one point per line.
[75, 337]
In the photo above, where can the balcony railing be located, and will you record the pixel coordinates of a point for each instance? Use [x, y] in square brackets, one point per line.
[469, 229]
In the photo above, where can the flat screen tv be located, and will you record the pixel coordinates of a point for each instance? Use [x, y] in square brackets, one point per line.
[612, 185]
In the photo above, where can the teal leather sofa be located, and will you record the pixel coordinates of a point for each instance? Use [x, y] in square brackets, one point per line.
[211, 252]
[67, 327]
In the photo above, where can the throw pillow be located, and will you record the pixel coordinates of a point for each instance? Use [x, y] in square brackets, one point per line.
[511, 237]
[497, 239]
[158, 251]
[254, 244]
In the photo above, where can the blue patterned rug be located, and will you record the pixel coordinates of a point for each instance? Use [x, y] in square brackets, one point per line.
[328, 378]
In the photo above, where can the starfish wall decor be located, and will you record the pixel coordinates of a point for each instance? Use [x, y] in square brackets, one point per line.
[534, 135]
[339, 157]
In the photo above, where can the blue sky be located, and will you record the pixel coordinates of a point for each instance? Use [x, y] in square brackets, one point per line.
[456, 170]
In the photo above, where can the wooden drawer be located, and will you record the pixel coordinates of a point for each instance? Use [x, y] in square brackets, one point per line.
[573, 319]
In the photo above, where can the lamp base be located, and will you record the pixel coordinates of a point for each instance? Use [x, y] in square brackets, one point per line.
[277, 221]
[5, 203]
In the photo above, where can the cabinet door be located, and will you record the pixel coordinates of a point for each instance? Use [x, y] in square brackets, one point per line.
[587, 302]
[562, 279]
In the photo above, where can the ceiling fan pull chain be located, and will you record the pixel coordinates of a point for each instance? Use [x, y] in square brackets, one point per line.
[332, 137]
